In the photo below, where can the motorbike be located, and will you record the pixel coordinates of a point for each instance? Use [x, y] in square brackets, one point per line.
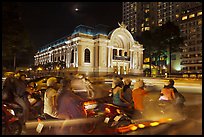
[11, 124]
[91, 110]
[111, 115]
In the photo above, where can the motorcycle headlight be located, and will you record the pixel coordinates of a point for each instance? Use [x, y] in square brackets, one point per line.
[11, 111]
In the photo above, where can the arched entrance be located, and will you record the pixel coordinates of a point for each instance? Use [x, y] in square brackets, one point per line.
[123, 46]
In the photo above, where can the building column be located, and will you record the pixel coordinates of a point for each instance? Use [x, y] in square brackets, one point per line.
[109, 65]
[76, 57]
[139, 60]
[111, 57]
[131, 60]
[136, 60]
[69, 54]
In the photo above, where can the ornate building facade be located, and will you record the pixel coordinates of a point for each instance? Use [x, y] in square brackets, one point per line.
[91, 51]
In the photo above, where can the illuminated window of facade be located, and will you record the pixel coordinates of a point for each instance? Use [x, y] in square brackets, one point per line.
[199, 13]
[87, 56]
[192, 15]
[120, 52]
[146, 19]
[142, 25]
[177, 15]
[142, 29]
[125, 53]
[114, 52]
[147, 28]
[184, 17]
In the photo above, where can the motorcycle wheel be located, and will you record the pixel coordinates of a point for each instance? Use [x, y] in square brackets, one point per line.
[14, 128]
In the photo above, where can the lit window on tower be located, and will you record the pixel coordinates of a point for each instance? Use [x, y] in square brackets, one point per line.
[199, 13]
[184, 17]
[192, 15]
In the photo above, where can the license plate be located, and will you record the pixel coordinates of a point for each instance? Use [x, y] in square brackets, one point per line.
[106, 120]
[39, 127]
[117, 118]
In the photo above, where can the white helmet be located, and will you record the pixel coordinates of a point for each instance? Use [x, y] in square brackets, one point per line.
[51, 81]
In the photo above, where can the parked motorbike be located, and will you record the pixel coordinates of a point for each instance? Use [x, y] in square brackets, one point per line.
[11, 124]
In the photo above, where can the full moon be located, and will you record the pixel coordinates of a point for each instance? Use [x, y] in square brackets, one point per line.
[76, 9]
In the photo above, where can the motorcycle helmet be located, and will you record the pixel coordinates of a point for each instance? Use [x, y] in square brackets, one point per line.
[118, 82]
[22, 76]
[171, 82]
[139, 84]
[127, 81]
[51, 81]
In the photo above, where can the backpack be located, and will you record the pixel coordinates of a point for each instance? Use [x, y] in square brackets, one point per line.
[179, 98]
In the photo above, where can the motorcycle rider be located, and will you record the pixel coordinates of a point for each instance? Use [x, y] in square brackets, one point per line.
[35, 99]
[138, 94]
[179, 98]
[127, 91]
[8, 88]
[50, 99]
[118, 98]
[68, 103]
[167, 93]
[20, 95]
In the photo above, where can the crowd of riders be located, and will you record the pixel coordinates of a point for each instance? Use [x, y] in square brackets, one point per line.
[132, 99]
[61, 102]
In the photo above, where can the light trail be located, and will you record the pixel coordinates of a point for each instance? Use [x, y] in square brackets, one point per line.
[60, 123]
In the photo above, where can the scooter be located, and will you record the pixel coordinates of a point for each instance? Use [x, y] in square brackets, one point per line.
[11, 124]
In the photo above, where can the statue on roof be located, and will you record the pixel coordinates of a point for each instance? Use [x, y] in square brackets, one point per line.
[122, 25]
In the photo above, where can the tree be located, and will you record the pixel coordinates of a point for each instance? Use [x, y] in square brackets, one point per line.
[146, 39]
[170, 39]
[16, 45]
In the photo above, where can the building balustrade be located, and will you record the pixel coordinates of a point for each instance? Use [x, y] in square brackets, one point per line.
[126, 58]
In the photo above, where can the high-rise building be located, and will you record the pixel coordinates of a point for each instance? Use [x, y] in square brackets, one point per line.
[191, 28]
[142, 16]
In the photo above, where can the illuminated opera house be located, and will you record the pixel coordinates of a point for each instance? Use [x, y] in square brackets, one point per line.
[95, 50]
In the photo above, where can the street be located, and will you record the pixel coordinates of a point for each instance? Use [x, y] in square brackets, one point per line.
[192, 125]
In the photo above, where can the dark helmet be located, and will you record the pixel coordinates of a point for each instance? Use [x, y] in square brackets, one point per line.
[171, 82]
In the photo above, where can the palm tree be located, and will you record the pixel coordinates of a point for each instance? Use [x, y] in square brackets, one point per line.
[146, 39]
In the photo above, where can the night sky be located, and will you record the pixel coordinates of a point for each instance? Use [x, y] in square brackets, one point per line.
[49, 21]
